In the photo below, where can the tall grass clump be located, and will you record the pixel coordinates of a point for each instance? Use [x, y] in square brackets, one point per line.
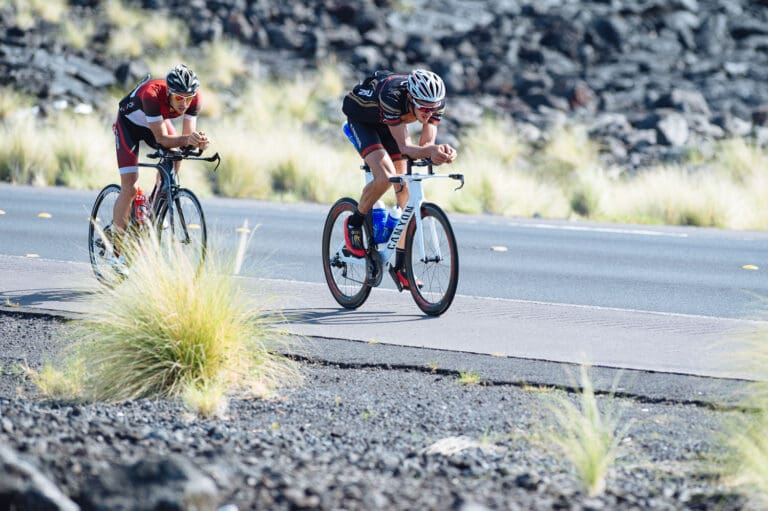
[567, 151]
[282, 161]
[588, 437]
[742, 164]
[493, 188]
[13, 101]
[24, 158]
[674, 196]
[328, 80]
[494, 140]
[746, 465]
[26, 12]
[495, 162]
[302, 100]
[77, 33]
[739, 160]
[135, 30]
[84, 151]
[223, 62]
[168, 331]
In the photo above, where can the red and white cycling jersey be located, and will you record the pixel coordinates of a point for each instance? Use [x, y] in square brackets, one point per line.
[149, 102]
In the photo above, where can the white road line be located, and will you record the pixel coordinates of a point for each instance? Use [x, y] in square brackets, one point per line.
[611, 230]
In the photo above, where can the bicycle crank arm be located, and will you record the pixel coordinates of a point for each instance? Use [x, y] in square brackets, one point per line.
[373, 269]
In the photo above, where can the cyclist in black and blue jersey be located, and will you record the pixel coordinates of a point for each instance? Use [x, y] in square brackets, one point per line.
[378, 112]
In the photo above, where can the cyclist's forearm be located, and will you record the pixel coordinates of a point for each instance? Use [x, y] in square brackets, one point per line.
[416, 152]
[175, 140]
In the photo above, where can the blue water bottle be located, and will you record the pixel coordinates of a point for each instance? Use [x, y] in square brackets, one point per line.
[379, 213]
[392, 219]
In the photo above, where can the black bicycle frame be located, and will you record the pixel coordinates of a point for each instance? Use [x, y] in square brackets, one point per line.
[168, 185]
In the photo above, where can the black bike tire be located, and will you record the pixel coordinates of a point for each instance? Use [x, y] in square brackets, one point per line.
[432, 308]
[347, 301]
[166, 210]
[113, 188]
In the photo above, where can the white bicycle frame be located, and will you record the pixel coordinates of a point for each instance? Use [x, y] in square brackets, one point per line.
[411, 209]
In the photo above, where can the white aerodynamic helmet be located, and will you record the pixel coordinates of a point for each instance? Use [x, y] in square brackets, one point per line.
[426, 86]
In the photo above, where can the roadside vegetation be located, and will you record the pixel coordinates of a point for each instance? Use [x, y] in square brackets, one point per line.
[469, 378]
[745, 433]
[586, 435]
[281, 140]
[167, 332]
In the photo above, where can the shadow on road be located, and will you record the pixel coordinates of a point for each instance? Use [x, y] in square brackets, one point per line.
[342, 316]
[43, 297]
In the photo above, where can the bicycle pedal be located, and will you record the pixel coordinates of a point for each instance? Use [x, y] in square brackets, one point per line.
[393, 274]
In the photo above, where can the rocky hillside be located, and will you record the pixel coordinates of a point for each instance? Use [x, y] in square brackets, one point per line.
[651, 78]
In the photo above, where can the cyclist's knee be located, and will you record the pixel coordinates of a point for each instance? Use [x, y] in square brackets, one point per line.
[382, 183]
[129, 191]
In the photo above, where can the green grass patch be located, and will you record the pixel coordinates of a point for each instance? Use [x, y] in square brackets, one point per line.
[587, 436]
[168, 331]
[744, 433]
[12, 102]
[135, 31]
[22, 161]
[63, 381]
[206, 400]
[469, 378]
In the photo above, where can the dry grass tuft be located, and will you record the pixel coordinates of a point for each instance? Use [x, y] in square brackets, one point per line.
[746, 465]
[587, 437]
[167, 331]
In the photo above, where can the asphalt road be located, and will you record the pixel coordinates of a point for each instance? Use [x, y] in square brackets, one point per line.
[672, 300]
[707, 272]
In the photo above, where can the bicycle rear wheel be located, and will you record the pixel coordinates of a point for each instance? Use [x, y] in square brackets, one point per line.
[432, 278]
[101, 235]
[184, 224]
[345, 275]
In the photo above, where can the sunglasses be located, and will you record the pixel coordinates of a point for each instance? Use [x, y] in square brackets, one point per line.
[183, 99]
[424, 109]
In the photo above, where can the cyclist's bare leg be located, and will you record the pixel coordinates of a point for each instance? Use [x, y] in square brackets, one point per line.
[122, 211]
[382, 168]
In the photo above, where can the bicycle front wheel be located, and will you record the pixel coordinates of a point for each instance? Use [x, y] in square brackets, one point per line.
[434, 274]
[184, 224]
[101, 235]
[344, 273]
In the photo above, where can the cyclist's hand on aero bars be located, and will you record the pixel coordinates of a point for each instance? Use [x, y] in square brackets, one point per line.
[199, 139]
[443, 153]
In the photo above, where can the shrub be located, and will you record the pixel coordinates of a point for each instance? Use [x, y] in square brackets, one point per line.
[587, 437]
[167, 330]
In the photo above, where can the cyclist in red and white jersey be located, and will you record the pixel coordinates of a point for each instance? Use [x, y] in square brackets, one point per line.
[145, 114]
[378, 112]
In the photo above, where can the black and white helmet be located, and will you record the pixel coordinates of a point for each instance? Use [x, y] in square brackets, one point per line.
[426, 86]
[181, 79]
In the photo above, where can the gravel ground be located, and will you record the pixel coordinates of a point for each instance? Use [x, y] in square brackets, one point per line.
[362, 436]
